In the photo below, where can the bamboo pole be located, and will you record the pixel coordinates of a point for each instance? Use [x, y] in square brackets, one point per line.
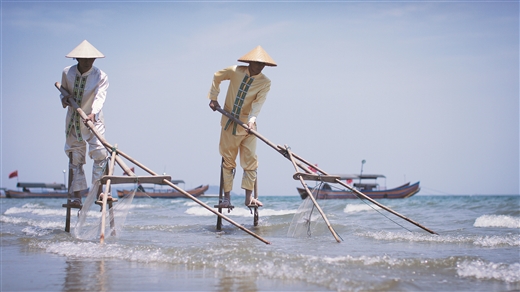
[220, 194]
[282, 151]
[255, 211]
[120, 162]
[312, 198]
[105, 196]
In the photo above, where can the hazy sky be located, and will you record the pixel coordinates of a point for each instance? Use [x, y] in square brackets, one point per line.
[423, 91]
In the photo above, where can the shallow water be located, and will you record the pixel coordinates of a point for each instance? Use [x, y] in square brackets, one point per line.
[172, 244]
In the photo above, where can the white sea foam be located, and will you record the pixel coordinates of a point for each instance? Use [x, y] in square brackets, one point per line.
[355, 208]
[31, 222]
[36, 211]
[497, 240]
[200, 211]
[94, 250]
[488, 270]
[497, 221]
[484, 241]
[271, 212]
[238, 211]
[31, 206]
[141, 206]
[43, 211]
[327, 271]
[35, 231]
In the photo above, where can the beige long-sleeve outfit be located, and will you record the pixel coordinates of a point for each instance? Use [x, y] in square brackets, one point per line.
[244, 99]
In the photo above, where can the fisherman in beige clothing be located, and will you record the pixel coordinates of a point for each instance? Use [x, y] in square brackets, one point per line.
[247, 91]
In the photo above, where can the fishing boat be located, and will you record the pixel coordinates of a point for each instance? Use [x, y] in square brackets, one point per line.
[158, 191]
[367, 184]
[40, 190]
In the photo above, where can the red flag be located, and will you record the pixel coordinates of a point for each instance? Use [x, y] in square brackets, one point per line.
[313, 169]
[13, 174]
[349, 181]
[132, 169]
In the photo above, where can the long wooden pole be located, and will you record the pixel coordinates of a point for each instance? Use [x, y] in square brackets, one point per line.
[105, 196]
[120, 162]
[282, 151]
[220, 194]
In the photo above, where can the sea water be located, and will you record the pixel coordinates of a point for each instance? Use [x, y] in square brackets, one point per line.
[173, 245]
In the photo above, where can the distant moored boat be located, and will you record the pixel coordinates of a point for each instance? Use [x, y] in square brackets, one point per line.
[370, 189]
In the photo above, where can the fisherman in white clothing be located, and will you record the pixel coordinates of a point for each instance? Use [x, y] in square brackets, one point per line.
[88, 86]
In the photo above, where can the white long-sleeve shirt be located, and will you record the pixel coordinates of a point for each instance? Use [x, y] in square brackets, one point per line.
[94, 92]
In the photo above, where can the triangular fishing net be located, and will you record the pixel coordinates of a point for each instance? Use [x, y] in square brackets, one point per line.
[307, 220]
[88, 226]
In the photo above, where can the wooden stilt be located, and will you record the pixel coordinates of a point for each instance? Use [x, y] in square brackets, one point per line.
[220, 194]
[69, 196]
[255, 209]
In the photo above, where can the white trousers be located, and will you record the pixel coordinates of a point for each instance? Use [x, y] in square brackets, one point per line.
[97, 152]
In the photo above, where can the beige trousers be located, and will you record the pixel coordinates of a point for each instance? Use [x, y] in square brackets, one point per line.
[230, 146]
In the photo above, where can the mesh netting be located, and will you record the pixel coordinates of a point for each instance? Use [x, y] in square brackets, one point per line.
[306, 221]
[88, 226]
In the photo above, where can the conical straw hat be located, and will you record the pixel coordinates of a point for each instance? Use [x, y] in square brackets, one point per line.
[85, 50]
[258, 55]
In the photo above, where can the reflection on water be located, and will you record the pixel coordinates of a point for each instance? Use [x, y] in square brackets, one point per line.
[232, 283]
[86, 275]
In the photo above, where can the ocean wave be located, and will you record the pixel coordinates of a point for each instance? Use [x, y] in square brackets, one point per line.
[42, 211]
[32, 206]
[199, 211]
[141, 206]
[355, 208]
[238, 212]
[31, 222]
[484, 241]
[190, 203]
[497, 221]
[93, 250]
[245, 258]
[239, 259]
[326, 271]
[36, 231]
[36, 210]
[488, 270]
